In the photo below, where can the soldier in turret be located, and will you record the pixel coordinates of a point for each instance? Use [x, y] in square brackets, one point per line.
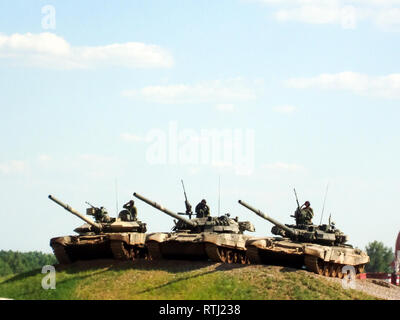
[202, 209]
[304, 214]
[101, 215]
[130, 207]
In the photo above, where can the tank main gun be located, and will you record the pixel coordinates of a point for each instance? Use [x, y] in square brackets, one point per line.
[165, 210]
[290, 231]
[76, 213]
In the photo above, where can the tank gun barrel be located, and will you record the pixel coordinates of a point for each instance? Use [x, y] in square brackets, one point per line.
[76, 213]
[165, 210]
[264, 216]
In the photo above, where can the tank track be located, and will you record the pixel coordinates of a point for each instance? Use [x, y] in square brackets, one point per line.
[121, 251]
[60, 253]
[213, 252]
[328, 269]
[154, 252]
[226, 255]
[252, 255]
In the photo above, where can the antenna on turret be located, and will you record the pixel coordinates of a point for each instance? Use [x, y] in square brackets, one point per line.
[323, 207]
[187, 204]
[297, 213]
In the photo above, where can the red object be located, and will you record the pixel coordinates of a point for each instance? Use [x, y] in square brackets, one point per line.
[396, 279]
[362, 276]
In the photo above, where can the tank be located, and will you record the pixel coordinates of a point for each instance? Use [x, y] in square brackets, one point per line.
[110, 238]
[219, 239]
[320, 248]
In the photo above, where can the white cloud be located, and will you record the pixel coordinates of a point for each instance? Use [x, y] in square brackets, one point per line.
[345, 16]
[218, 91]
[347, 13]
[13, 166]
[381, 86]
[51, 51]
[286, 109]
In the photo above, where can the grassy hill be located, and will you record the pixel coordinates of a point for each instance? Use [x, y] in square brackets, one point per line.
[175, 280]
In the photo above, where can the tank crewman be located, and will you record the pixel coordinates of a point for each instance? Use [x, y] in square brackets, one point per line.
[130, 206]
[101, 215]
[202, 209]
[305, 214]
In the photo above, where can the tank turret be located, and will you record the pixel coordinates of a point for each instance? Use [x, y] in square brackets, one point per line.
[323, 234]
[221, 224]
[91, 227]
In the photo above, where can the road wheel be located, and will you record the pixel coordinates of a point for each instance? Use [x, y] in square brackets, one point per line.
[340, 274]
[332, 270]
[242, 258]
[326, 269]
[235, 257]
[222, 254]
[230, 257]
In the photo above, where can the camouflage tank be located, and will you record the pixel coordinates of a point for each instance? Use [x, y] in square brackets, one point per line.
[321, 249]
[109, 238]
[220, 239]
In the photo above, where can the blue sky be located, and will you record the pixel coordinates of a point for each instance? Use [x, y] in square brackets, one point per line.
[311, 88]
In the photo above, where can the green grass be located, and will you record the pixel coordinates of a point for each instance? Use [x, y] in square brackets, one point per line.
[174, 280]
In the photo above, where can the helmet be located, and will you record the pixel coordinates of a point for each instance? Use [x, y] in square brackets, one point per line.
[307, 203]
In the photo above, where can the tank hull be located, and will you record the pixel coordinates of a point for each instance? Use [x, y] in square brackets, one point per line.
[226, 248]
[120, 246]
[324, 260]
